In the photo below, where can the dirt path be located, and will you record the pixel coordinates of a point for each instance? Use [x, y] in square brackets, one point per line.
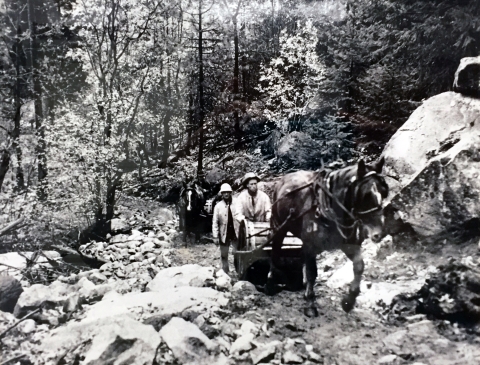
[370, 334]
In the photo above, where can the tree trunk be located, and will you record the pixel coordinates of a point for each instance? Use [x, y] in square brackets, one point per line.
[191, 121]
[166, 120]
[19, 177]
[110, 202]
[155, 141]
[200, 90]
[236, 92]
[4, 165]
[37, 96]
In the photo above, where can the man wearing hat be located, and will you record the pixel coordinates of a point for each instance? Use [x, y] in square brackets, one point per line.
[252, 204]
[224, 226]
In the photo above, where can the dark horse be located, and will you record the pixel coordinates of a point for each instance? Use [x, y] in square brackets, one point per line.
[328, 210]
[190, 210]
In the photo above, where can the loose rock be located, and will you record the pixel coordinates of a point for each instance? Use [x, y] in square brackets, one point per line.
[187, 275]
[187, 342]
[10, 291]
[114, 340]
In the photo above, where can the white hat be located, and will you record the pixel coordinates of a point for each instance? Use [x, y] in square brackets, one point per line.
[226, 188]
[249, 176]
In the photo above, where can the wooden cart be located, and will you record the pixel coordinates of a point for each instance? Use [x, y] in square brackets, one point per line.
[253, 235]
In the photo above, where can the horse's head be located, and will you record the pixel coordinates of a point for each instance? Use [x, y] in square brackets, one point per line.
[193, 196]
[368, 190]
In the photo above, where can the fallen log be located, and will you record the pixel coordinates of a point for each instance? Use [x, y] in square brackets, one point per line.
[91, 261]
[11, 226]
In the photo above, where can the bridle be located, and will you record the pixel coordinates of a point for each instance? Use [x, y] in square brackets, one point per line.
[357, 187]
[354, 215]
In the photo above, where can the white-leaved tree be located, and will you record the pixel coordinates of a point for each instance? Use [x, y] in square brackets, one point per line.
[90, 139]
[290, 81]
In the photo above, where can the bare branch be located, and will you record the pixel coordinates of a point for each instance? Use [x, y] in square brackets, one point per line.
[19, 321]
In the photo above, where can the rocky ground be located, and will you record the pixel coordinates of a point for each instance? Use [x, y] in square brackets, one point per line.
[159, 302]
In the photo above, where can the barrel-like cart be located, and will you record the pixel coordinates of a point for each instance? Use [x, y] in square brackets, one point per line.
[252, 255]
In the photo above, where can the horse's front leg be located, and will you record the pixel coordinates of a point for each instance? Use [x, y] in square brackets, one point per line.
[354, 253]
[185, 232]
[309, 278]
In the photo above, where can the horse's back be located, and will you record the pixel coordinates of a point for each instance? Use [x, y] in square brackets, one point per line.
[292, 192]
[292, 181]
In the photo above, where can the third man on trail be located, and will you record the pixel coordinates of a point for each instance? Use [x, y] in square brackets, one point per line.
[252, 204]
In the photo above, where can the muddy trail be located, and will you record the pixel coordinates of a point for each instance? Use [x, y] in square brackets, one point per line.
[383, 328]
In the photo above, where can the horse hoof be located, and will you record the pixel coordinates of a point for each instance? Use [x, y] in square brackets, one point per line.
[348, 303]
[311, 312]
[272, 288]
[269, 288]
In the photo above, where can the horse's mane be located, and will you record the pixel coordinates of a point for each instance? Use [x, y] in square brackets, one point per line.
[337, 182]
[340, 180]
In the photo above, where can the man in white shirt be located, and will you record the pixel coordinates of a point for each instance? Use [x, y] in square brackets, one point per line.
[252, 204]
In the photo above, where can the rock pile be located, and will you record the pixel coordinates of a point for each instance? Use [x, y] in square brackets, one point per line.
[139, 254]
[451, 294]
[185, 316]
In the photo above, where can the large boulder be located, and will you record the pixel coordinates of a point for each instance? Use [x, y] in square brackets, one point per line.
[467, 77]
[59, 294]
[433, 164]
[119, 226]
[111, 340]
[10, 290]
[295, 149]
[186, 275]
[39, 295]
[270, 145]
[188, 343]
[163, 215]
[182, 301]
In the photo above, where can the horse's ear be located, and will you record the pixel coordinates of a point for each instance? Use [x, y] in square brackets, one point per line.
[378, 166]
[361, 169]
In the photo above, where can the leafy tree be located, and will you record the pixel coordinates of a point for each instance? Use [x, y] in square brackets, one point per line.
[291, 80]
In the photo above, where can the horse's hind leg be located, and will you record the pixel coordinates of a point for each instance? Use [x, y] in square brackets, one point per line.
[270, 286]
[354, 253]
[309, 278]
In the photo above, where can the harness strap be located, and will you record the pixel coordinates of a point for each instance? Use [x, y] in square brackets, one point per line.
[369, 210]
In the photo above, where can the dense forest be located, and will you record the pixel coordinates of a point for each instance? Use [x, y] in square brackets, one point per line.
[105, 97]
